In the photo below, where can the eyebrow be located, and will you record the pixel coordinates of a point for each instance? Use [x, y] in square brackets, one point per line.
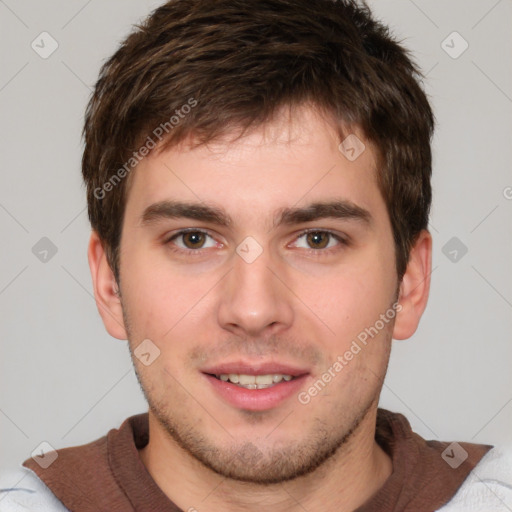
[335, 209]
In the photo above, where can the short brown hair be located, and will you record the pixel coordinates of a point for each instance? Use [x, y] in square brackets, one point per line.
[238, 62]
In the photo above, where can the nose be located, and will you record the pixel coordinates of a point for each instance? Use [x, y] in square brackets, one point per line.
[254, 299]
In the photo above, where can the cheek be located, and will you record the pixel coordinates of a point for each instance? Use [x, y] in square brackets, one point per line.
[352, 298]
[163, 305]
[149, 295]
[346, 306]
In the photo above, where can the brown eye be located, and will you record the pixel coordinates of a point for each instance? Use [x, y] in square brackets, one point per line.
[320, 242]
[193, 239]
[318, 239]
[192, 242]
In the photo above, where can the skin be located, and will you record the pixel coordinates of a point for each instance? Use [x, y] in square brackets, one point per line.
[299, 302]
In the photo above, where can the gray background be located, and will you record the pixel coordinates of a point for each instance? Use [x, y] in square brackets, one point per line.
[65, 381]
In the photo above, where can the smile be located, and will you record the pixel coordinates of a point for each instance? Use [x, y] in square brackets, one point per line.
[254, 381]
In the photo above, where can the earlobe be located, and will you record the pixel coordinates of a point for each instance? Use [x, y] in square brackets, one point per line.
[105, 289]
[415, 287]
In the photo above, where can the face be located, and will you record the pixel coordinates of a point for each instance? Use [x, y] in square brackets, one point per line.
[254, 268]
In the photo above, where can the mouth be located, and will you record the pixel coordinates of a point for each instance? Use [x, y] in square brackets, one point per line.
[255, 387]
[254, 381]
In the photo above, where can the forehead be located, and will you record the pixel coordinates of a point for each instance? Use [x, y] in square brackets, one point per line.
[291, 161]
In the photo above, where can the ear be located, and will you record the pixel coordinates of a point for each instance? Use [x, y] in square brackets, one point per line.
[105, 288]
[414, 288]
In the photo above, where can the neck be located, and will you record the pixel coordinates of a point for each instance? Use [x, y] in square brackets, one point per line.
[350, 477]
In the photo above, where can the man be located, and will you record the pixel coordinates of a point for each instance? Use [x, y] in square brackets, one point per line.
[258, 184]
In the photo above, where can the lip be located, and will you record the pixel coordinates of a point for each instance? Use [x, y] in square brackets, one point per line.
[255, 399]
[240, 367]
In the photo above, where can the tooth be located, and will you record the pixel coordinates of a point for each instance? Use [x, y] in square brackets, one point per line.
[254, 381]
[264, 379]
[245, 379]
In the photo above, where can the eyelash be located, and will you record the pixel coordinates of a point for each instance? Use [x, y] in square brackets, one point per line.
[317, 252]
